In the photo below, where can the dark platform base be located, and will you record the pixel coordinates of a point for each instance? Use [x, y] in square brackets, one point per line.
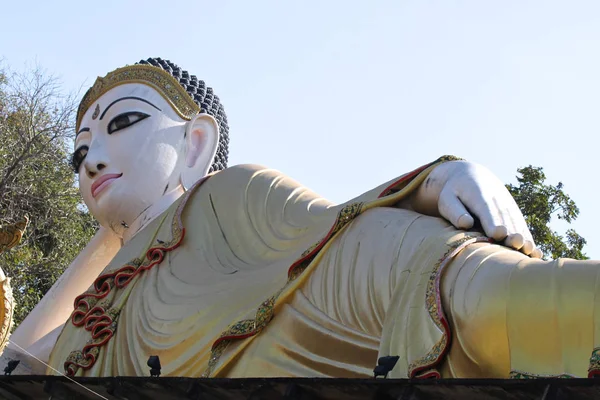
[45, 387]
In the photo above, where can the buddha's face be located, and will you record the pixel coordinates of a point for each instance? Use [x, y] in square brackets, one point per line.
[128, 152]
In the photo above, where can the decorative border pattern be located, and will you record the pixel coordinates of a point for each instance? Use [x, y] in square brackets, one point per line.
[264, 314]
[155, 77]
[593, 370]
[94, 312]
[526, 375]
[424, 367]
[594, 365]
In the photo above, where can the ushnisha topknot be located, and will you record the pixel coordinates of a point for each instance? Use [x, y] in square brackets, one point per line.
[187, 94]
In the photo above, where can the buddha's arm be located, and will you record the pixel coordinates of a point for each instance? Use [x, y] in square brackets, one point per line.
[512, 313]
[507, 312]
[56, 306]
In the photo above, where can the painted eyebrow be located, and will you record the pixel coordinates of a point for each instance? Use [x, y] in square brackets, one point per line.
[82, 130]
[128, 98]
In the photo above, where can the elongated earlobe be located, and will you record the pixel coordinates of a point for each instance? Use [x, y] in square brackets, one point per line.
[201, 141]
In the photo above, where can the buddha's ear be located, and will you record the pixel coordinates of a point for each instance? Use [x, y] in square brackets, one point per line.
[201, 142]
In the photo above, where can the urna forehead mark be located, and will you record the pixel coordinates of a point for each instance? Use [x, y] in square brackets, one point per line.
[96, 111]
[165, 84]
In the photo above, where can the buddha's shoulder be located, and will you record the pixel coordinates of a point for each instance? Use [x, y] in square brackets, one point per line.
[239, 177]
[242, 183]
[245, 171]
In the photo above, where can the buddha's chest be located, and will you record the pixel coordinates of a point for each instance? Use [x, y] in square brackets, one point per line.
[176, 309]
[180, 319]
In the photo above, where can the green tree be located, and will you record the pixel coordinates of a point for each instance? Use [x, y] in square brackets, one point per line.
[36, 133]
[539, 202]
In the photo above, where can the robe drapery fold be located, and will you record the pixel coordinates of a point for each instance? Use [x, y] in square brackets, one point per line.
[252, 275]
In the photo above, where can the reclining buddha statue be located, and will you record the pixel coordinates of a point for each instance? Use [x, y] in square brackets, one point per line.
[243, 272]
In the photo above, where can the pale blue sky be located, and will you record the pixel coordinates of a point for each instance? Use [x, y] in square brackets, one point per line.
[344, 95]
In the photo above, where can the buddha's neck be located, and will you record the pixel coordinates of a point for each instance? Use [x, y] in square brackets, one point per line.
[151, 213]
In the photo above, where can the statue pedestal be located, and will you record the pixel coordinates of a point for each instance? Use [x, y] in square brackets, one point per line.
[19, 387]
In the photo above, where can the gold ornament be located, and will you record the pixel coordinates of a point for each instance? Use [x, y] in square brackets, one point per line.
[158, 79]
[10, 235]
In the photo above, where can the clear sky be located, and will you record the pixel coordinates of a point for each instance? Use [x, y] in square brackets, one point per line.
[344, 95]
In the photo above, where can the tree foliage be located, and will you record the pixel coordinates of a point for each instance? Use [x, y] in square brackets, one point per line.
[539, 202]
[36, 132]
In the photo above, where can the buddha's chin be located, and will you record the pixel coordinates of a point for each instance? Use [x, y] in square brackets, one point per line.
[115, 214]
[118, 205]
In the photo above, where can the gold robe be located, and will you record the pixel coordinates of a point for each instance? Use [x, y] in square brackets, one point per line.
[252, 275]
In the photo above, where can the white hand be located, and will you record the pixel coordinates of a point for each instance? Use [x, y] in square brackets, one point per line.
[460, 191]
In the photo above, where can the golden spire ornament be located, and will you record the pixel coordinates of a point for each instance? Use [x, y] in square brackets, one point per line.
[10, 235]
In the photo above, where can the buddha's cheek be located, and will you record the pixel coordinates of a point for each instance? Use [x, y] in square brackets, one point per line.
[149, 173]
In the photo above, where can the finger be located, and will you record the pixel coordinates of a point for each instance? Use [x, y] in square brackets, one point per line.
[516, 223]
[465, 221]
[528, 247]
[514, 220]
[489, 214]
[451, 208]
[536, 253]
[498, 232]
[515, 241]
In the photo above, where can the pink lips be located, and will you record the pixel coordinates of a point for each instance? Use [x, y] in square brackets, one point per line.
[103, 182]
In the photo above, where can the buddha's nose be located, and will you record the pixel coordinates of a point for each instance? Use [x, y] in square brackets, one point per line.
[92, 169]
[96, 158]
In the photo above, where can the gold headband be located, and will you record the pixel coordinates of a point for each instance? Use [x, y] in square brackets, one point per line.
[157, 78]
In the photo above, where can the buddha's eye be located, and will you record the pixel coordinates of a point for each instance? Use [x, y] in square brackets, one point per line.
[78, 157]
[124, 120]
